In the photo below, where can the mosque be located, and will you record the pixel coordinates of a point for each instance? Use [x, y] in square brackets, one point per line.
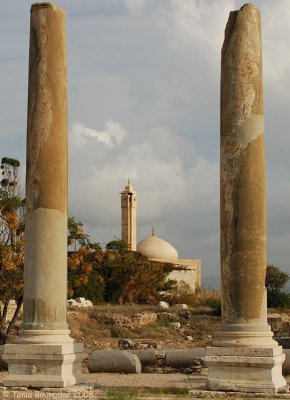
[153, 247]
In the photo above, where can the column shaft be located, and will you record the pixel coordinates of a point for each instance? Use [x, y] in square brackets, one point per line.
[45, 273]
[242, 172]
[245, 357]
[44, 355]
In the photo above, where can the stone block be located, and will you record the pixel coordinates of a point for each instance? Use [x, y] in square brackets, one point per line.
[163, 304]
[180, 306]
[146, 356]
[115, 361]
[245, 369]
[72, 302]
[183, 358]
[43, 365]
[82, 301]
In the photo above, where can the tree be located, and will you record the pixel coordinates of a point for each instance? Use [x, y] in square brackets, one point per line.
[117, 245]
[76, 234]
[83, 279]
[116, 275]
[130, 277]
[275, 281]
[11, 244]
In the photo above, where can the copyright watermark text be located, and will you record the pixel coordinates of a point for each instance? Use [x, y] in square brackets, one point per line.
[74, 395]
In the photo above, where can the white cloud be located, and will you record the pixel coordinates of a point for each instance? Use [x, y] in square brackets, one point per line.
[157, 78]
[170, 177]
[112, 135]
[135, 7]
[196, 25]
[276, 45]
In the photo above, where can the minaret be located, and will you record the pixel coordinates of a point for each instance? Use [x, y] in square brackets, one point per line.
[129, 205]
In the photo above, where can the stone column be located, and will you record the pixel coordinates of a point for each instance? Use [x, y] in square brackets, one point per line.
[44, 354]
[245, 356]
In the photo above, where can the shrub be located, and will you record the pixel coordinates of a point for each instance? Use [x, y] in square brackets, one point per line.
[93, 290]
[182, 293]
[275, 281]
[281, 299]
[201, 298]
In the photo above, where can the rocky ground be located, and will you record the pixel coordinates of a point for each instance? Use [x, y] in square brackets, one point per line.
[141, 327]
[106, 327]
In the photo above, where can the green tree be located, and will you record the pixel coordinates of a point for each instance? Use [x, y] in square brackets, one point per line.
[83, 277]
[84, 280]
[76, 235]
[117, 245]
[116, 275]
[11, 245]
[275, 281]
[130, 277]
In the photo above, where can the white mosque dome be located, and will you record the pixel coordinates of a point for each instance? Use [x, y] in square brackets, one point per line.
[157, 249]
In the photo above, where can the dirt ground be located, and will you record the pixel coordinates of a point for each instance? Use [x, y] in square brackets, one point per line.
[132, 387]
[101, 328]
[149, 381]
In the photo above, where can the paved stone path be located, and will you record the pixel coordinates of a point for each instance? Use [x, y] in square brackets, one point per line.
[158, 381]
[96, 386]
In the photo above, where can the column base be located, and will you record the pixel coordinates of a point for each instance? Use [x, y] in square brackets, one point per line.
[245, 369]
[54, 364]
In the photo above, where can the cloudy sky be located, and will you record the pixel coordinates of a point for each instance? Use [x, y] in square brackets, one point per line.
[144, 103]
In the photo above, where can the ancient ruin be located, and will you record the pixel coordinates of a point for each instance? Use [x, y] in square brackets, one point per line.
[44, 354]
[244, 356]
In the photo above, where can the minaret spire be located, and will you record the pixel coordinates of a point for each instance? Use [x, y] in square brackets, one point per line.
[129, 206]
[153, 230]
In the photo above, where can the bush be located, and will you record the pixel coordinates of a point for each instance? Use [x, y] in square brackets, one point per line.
[215, 304]
[181, 293]
[281, 300]
[275, 281]
[93, 290]
[202, 297]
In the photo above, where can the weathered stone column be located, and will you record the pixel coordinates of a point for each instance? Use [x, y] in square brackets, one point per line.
[44, 354]
[245, 358]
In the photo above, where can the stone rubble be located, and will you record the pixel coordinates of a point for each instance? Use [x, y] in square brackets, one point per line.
[163, 304]
[79, 302]
[190, 361]
[181, 306]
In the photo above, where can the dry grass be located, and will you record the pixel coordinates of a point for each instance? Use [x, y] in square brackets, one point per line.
[90, 325]
[81, 325]
[107, 322]
[128, 309]
[160, 330]
[203, 327]
[202, 300]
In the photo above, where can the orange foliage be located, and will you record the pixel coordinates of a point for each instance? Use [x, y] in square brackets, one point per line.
[11, 218]
[80, 267]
